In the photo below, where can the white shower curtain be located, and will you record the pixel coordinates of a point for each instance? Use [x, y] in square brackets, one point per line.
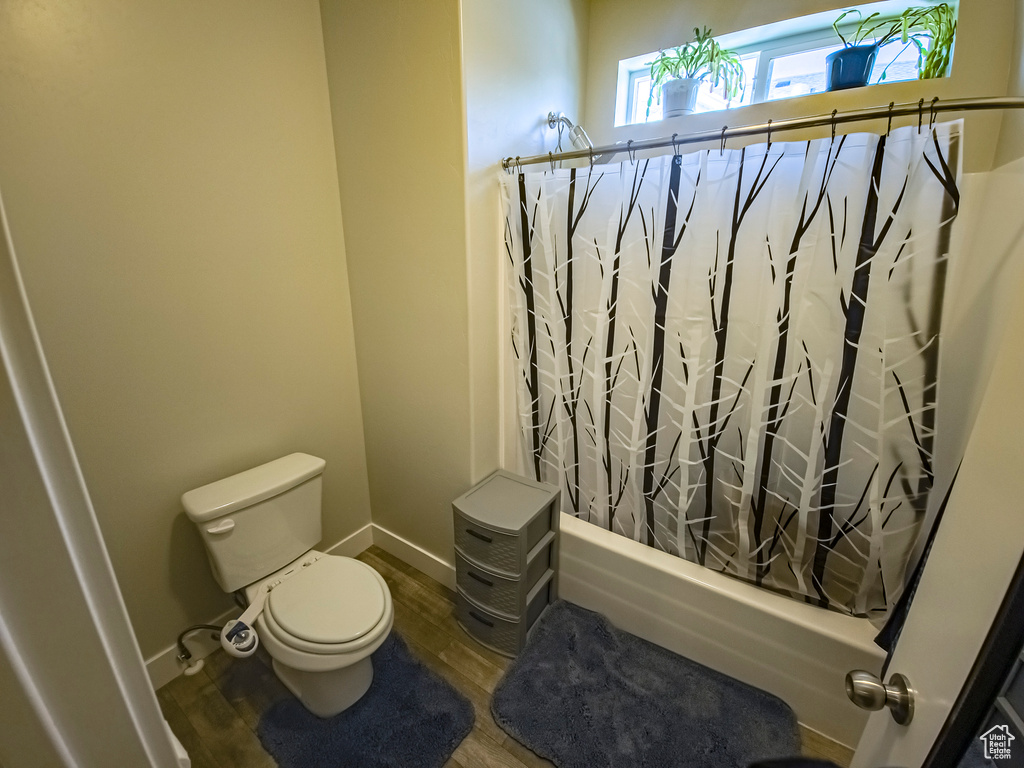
[733, 355]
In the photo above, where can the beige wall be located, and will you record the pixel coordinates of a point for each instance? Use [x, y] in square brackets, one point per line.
[394, 68]
[170, 181]
[521, 61]
[1011, 135]
[985, 282]
[465, 84]
[620, 29]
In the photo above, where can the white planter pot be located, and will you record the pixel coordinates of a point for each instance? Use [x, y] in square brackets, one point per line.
[679, 97]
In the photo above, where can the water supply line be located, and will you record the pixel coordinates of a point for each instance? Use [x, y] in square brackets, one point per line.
[185, 655]
[238, 637]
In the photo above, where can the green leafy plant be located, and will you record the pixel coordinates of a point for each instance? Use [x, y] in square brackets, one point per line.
[931, 29]
[701, 59]
[937, 24]
[873, 30]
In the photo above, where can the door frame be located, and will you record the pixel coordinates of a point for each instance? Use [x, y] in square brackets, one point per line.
[999, 652]
[86, 700]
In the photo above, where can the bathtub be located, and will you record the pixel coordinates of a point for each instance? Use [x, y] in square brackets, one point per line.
[796, 651]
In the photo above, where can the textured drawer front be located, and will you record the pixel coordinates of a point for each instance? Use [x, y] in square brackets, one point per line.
[540, 525]
[495, 592]
[540, 601]
[500, 634]
[497, 551]
[537, 567]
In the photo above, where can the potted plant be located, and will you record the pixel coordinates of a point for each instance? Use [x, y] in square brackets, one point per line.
[677, 73]
[937, 24]
[850, 67]
[930, 28]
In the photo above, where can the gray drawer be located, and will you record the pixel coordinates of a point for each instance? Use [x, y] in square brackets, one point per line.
[491, 590]
[497, 591]
[496, 632]
[501, 633]
[498, 551]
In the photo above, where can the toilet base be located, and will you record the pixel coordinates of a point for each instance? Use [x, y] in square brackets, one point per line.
[326, 694]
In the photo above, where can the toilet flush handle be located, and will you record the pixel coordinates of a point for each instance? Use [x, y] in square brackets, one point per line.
[222, 527]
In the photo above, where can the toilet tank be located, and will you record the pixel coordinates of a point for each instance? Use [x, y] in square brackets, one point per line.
[258, 521]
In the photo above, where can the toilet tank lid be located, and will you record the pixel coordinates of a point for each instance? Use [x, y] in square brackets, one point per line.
[250, 487]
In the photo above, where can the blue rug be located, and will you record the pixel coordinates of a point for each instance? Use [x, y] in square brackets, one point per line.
[410, 718]
[584, 694]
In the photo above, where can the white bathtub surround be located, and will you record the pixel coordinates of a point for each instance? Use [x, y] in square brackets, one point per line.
[800, 653]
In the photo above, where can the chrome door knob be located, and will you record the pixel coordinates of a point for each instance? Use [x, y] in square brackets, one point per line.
[868, 692]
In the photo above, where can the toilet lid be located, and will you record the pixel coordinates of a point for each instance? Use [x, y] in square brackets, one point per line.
[334, 600]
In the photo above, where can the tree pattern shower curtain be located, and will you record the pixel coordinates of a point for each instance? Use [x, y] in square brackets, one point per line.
[733, 355]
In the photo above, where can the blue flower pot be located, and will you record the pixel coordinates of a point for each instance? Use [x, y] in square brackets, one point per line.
[850, 67]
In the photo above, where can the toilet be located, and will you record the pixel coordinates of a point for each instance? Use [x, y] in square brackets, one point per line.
[322, 615]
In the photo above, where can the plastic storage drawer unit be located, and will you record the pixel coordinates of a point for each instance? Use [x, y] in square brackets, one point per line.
[506, 558]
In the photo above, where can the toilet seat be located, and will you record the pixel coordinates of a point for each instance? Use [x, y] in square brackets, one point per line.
[332, 606]
[334, 600]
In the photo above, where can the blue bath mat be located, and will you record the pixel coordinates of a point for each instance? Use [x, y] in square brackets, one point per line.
[410, 718]
[584, 694]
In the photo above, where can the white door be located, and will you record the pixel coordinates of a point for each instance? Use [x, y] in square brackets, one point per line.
[975, 554]
[73, 688]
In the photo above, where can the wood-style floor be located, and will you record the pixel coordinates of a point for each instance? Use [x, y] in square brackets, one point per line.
[215, 712]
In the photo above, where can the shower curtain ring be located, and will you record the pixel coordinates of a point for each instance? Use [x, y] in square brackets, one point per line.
[519, 165]
[769, 133]
[551, 159]
[591, 150]
[675, 149]
[834, 113]
[630, 153]
[920, 107]
[721, 148]
[888, 126]
[931, 113]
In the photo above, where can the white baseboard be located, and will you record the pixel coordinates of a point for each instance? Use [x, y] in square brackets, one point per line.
[416, 556]
[164, 666]
[354, 543]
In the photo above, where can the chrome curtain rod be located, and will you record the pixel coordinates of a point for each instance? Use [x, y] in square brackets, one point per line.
[922, 109]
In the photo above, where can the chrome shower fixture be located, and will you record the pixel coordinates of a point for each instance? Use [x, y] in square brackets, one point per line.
[577, 135]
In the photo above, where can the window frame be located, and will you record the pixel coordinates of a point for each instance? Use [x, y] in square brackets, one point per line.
[767, 49]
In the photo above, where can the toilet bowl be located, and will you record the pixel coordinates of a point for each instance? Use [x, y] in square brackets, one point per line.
[319, 616]
[320, 624]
